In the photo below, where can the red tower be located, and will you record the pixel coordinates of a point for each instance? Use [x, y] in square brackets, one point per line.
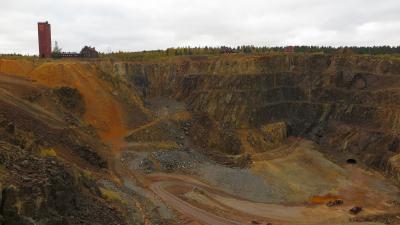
[44, 32]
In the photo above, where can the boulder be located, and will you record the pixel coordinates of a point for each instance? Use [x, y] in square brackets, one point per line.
[355, 210]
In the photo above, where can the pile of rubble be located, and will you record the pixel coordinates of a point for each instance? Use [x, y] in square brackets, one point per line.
[43, 189]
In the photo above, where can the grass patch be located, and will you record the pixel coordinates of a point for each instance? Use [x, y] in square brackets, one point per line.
[87, 174]
[112, 196]
[48, 152]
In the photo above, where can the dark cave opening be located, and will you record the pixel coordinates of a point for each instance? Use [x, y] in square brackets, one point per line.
[351, 161]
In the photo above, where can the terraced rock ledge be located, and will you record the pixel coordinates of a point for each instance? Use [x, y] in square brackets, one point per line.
[230, 139]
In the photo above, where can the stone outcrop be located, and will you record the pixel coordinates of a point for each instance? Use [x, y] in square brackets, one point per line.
[42, 189]
[347, 103]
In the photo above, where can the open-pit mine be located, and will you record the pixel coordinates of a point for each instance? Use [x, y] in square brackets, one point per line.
[273, 139]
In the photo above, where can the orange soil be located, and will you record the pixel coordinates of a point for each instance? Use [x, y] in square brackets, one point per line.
[324, 199]
[103, 111]
[16, 67]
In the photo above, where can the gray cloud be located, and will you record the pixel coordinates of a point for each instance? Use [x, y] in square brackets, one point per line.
[133, 25]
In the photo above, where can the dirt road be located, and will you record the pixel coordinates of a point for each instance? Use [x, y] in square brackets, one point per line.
[260, 212]
[186, 208]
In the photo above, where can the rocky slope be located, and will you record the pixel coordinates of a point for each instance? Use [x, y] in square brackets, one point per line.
[82, 137]
[50, 156]
[345, 102]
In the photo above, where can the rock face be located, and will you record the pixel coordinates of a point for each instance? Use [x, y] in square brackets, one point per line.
[45, 152]
[345, 102]
[44, 190]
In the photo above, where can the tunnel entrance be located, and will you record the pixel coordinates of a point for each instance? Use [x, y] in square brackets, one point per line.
[351, 161]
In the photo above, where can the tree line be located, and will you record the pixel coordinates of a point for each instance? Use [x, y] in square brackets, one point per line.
[250, 49]
[244, 49]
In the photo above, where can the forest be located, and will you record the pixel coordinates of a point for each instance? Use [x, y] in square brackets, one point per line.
[250, 49]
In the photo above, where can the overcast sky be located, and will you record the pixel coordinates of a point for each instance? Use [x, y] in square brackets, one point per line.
[134, 25]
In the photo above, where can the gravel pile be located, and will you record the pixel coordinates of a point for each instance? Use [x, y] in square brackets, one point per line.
[241, 182]
[178, 160]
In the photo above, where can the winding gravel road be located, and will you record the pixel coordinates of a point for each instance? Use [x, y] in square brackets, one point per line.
[277, 214]
[186, 208]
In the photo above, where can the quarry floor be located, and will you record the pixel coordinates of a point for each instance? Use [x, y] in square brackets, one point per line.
[202, 203]
[288, 185]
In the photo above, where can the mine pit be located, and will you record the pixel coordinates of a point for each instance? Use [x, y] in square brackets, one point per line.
[265, 143]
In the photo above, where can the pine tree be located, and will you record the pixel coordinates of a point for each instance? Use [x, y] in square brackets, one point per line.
[56, 49]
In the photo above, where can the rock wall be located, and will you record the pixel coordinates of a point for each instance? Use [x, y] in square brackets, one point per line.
[318, 96]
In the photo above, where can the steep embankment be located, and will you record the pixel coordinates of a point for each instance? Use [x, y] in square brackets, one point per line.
[49, 157]
[104, 103]
[102, 109]
[345, 102]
